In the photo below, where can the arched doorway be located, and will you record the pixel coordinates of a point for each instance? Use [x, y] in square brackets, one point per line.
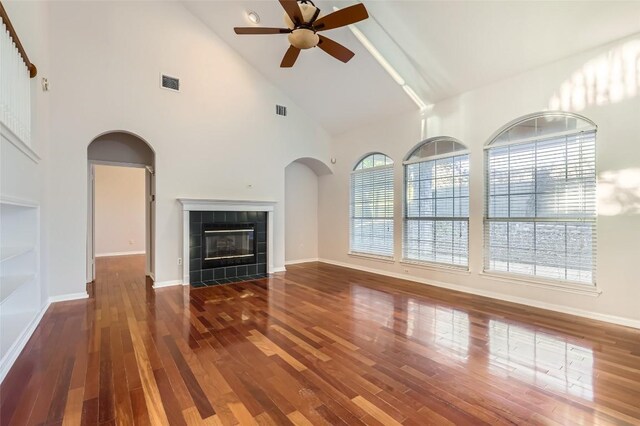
[301, 209]
[128, 153]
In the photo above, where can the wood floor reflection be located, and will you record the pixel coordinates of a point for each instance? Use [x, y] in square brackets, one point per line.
[318, 344]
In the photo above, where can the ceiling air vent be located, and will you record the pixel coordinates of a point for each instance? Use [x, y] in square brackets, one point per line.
[168, 82]
[281, 110]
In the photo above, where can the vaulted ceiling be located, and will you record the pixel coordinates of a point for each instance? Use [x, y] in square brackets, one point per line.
[441, 48]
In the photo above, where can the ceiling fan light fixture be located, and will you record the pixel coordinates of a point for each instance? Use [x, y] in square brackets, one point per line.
[303, 38]
[253, 17]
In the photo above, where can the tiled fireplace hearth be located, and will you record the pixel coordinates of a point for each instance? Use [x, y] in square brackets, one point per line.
[226, 241]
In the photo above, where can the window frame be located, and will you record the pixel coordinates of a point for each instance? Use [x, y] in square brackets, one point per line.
[358, 170]
[587, 126]
[405, 218]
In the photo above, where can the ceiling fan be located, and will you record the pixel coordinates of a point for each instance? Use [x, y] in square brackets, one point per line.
[303, 22]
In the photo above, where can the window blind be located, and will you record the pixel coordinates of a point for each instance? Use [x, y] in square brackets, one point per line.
[540, 215]
[372, 210]
[436, 222]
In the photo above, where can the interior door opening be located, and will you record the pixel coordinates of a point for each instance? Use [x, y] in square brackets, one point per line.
[121, 200]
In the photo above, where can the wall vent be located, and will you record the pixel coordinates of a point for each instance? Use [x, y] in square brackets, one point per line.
[281, 110]
[168, 82]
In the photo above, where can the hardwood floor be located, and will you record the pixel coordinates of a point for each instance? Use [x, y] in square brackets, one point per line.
[318, 344]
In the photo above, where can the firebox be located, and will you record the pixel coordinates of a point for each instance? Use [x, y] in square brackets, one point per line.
[228, 244]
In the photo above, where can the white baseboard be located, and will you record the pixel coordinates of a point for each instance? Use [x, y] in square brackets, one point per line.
[14, 351]
[68, 297]
[166, 283]
[120, 253]
[295, 262]
[628, 322]
[278, 269]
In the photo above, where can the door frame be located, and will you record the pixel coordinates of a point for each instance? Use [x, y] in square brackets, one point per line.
[149, 215]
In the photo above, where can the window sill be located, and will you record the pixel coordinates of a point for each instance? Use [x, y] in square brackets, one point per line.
[438, 267]
[584, 289]
[386, 259]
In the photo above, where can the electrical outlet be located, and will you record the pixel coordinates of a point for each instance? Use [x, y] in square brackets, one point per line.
[179, 261]
[406, 271]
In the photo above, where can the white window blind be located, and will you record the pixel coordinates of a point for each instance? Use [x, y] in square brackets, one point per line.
[540, 213]
[436, 222]
[372, 206]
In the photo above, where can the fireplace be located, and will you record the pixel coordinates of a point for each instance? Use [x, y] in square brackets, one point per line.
[226, 244]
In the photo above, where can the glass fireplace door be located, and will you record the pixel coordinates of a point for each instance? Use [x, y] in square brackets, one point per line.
[228, 244]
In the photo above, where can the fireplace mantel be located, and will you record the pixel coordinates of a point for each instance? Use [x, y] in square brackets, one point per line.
[201, 204]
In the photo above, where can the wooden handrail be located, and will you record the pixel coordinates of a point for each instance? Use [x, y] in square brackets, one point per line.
[33, 71]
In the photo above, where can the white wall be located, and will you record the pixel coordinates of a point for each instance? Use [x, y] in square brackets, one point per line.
[218, 138]
[119, 210]
[301, 213]
[473, 117]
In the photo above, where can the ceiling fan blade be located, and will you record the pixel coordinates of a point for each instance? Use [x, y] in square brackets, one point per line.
[334, 49]
[293, 10]
[342, 17]
[261, 30]
[290, 57]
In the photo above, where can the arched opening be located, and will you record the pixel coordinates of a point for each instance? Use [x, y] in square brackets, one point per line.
[301, 209]
[121, 199]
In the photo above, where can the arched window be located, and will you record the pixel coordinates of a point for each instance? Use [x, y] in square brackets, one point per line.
[540, 209]
[372, 206]
[436, 213]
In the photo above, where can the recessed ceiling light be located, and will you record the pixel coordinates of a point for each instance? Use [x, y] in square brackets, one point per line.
[253, 17]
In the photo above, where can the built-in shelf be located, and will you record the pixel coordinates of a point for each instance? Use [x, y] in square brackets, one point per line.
[7, 253]
[10, 284]
[21, 295]
[20, 288]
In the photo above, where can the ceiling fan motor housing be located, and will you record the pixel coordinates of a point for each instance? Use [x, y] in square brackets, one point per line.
[308, 11]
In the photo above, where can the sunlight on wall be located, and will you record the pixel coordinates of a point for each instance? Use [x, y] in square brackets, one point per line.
[607, 79]
[536, 357]
[619, 192]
